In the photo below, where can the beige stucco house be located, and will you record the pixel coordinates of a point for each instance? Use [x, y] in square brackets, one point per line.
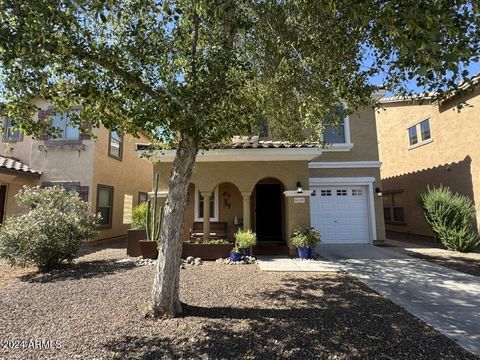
[273, 187]
[424, 145]
[106, 172]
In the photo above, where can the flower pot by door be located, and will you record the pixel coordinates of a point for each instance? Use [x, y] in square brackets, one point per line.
[304, 252]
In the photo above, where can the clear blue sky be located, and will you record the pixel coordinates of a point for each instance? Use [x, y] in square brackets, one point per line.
[474, 69]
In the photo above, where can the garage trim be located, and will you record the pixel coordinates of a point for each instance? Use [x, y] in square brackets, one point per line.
[365, 181]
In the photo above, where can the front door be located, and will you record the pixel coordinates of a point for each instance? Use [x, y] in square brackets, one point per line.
[3, 196]
[268, 212]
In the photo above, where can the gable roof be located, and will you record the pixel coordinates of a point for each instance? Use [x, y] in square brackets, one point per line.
[14, 166]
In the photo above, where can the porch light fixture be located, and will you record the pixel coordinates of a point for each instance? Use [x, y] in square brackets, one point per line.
[378, 191]
[299, 187]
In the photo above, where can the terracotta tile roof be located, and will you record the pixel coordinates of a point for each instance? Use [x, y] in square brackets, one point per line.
[249, 144]
[10, 164]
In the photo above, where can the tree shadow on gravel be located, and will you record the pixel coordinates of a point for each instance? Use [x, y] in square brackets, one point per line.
[464, 265]
[81, 270]
[303, 319]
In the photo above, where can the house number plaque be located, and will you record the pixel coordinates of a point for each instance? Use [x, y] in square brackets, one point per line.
[299, 200]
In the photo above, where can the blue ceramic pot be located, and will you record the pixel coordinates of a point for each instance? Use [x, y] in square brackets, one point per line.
[245, 251]
[304, 252]
[235, 256]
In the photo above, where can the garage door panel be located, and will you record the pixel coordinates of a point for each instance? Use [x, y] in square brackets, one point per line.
[341, 218]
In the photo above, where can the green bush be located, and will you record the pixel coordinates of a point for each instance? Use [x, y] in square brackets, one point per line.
[305, 237]
[50, 232]
[139, 216]
[450, 216]
[245, 238]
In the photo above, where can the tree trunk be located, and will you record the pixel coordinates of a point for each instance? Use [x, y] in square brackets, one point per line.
[165, 292]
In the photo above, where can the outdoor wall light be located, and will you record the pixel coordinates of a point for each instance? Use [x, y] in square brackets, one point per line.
[378, 191]
[299, 187]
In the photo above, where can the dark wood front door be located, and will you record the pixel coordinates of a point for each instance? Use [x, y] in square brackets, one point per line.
[268, 212]
[3, 196]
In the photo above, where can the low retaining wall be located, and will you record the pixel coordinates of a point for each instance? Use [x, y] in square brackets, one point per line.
[206, 251]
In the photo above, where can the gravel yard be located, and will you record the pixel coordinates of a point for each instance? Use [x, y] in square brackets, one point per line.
[94, 310]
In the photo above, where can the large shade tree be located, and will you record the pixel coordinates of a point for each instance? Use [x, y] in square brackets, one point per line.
[195, 72]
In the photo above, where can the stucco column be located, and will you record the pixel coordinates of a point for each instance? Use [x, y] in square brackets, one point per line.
[206, 214]
[246, 210]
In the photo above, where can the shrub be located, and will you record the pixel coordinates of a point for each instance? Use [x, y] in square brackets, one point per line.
[50, 232]
[139, 216]
[245, 238]
[450, 216]
[305, 237]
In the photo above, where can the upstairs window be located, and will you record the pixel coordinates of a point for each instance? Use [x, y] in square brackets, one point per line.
[64, 130]
[425, 129]
[339, 133]
[9, 134]
[115, 145]
[335, 134]
[412, 135]
[419, 134]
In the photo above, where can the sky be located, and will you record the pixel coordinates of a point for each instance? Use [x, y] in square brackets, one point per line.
[474, 69]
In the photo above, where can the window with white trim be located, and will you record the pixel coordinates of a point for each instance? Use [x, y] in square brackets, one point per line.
[338, 133]
[342, 192]
[419, 133]
[199, 205]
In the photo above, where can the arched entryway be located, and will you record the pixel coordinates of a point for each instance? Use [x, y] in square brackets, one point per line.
[268, 211]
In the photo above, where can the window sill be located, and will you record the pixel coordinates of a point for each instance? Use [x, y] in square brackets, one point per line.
[411, 147]
[339, 147]
[63, 142]
[396, 223]
[119, 158]
[104, 227]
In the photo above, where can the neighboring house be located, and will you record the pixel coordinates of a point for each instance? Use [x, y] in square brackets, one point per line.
[273, 187]
[426, 145]
[105, 172]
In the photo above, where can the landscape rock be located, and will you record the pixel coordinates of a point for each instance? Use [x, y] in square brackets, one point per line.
[198, 261]
[190, 260]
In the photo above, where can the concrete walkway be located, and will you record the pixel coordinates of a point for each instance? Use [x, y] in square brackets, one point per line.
[285, 263]
[444, 298]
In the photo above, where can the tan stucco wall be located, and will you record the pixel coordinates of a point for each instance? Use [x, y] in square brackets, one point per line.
[128, 177]
[451, 159]
[14, 184]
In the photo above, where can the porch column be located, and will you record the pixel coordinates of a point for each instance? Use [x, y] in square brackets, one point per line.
[206, 214]
[246, 210]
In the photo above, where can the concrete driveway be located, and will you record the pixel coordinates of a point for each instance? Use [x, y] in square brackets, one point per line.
[444, 298]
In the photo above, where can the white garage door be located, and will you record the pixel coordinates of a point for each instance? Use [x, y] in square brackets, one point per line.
[340, 213]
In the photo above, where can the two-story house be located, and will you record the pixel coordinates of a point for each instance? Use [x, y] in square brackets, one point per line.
[423, 144]
[106, 172]
[273, 187]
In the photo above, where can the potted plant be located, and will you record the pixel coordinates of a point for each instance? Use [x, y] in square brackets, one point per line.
[305, 239]
[244, 240]
[137, 230]
[235, 254]
[153, 224]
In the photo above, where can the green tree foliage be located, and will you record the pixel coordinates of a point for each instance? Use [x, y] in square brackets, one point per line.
[50, 232]
[451, 217]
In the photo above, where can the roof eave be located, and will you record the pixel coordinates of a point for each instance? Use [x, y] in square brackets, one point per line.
[231, 155]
